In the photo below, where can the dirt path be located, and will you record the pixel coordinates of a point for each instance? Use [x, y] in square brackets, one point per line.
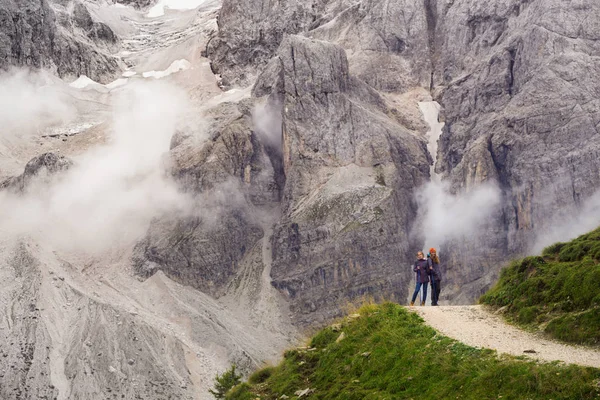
[476, 327]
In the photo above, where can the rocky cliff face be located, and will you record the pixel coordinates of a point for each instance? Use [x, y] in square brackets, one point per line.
[39, 168]
[337, 165]
[514, 81]
[521, 109]
[75, 327]
[233, 180]
[388, 41]
[58, 36]
[350, 172]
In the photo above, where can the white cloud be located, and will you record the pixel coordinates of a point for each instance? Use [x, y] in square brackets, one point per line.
[29, 102]
[445, 216]
[112, 192]
[570, 225]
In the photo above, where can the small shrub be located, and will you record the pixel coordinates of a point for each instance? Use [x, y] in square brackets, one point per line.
[528, 315]
[240, 392]
[553, 250]
[261, 375]
[224, 382]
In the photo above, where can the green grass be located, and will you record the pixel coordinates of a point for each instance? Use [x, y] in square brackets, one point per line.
[557, 293]
[389, 353]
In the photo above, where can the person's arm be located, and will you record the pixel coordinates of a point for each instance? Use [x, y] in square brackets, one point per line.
[415, 267]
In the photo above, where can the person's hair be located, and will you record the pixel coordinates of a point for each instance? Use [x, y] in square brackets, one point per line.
[434, 258]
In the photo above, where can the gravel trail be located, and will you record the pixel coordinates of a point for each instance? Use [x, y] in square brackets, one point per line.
[476, 327]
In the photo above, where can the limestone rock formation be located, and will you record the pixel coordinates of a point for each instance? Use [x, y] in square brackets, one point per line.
[350, 173]
[335, 162]
[39, 168]
[387, 42]
[250, 34]
[520, 105]
[514, 79]
[58, 36]
[230, 175]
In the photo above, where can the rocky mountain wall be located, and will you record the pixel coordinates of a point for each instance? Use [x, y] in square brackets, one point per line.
[515, 79]
[521, 108]
[336, 165]
[61, 37]
[345, 155]
[350, 171]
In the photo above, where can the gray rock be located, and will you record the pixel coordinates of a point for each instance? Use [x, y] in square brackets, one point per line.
[23, 341]
[137, 3]
[40, 168]
[250, 33]
[45, 35]
[520, 104]
[350, 172]
[230, 176]
[84, 372]
[515, 82]
[387, 42]
[342, 172]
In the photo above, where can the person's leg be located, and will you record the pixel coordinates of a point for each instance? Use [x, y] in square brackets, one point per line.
[433, 293]
[438, 289]
[414, 297]
[424, 294]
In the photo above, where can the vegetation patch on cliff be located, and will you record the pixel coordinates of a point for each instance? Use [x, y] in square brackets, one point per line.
[557, 293]
[386, 352]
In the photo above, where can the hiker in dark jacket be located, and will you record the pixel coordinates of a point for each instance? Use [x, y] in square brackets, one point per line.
[436, 277]
[421, 267]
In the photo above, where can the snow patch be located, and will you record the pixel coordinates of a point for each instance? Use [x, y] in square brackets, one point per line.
[69, 130]
[176, 66]
[232, 95]
[159, 9]
[83, 82]
[431, 111]
[128, 74]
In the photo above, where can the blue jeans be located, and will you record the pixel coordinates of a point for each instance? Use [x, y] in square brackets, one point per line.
[419, 284]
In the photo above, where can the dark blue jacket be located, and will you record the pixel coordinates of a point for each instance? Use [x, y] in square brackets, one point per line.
[422, 269]
[437, 271]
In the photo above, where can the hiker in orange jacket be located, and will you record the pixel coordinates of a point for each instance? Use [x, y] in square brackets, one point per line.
[436, 276]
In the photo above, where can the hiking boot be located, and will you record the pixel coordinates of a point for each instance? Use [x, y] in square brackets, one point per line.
[422, 303]
[412, 303]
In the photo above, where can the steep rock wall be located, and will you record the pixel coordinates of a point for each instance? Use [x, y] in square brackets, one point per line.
[61, 37]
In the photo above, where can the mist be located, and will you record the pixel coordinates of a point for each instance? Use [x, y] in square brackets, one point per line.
[266, 119]
[112, 192]
[568, 226]
[445, 216]
[30, 102]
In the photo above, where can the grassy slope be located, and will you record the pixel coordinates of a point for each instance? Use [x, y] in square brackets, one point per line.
[558, 293]
[389, 353]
